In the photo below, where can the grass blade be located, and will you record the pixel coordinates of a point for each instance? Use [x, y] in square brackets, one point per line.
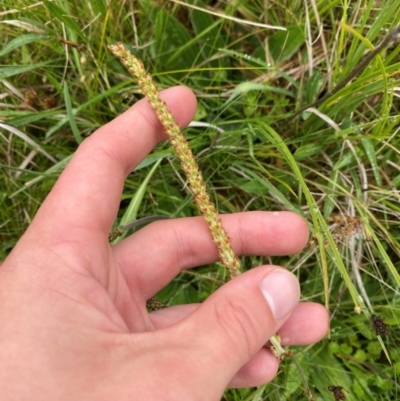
[71, 114]
[20, 41]
[320, 227]
[136, 200]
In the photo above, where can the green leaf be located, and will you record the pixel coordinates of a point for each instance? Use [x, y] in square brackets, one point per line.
[344, 161]
[361, 355]
[136, 200]
[358, 390]
[295, 380]
[321, 230]
[387, 260]
[346, 349]
[327, 371]
[396, 181]
[331, 194]
[374, 348]
[6, 72]
[370, 151]
[205, 25]
[20, 41]
[310, 149]
[56, 169]
[397, 367]
[93, 100]
[247, 86]
[313, 86]
[334, 347]
[52, 172]
[260, 185]
[71, 114]
[384, 384]
[29, 117]
[152, 158]
[99, 6]
[283, 44]
[61, 15]
[171, 48]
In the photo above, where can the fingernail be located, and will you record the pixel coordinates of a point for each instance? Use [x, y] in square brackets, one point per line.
[282, 292]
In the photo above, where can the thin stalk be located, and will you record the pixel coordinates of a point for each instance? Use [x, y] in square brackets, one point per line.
[184, 153]
[116, 232]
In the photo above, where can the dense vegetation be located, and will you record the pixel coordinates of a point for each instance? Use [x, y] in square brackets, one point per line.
[337, 164]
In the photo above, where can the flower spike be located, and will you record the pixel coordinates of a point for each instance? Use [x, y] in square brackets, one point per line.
[185, 155]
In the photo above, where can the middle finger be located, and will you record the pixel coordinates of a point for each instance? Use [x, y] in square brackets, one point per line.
[154, 256]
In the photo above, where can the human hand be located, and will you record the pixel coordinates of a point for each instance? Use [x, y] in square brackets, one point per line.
[74, 323]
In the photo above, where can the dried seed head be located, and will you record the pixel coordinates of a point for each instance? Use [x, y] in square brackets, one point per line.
[184, 153]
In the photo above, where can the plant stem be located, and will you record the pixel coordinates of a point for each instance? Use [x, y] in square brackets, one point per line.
[116, 232]
[184, 153]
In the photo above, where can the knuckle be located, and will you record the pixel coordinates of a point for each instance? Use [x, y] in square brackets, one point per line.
[239, 326]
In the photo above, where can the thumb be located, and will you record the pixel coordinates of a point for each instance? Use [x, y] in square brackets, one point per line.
[236, 321]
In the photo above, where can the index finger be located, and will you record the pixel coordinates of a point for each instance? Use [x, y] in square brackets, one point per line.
[88, 192]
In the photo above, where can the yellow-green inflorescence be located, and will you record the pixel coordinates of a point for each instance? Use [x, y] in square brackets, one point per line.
[184, 153]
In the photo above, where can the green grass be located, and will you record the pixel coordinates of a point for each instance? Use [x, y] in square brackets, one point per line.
[250, 81]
